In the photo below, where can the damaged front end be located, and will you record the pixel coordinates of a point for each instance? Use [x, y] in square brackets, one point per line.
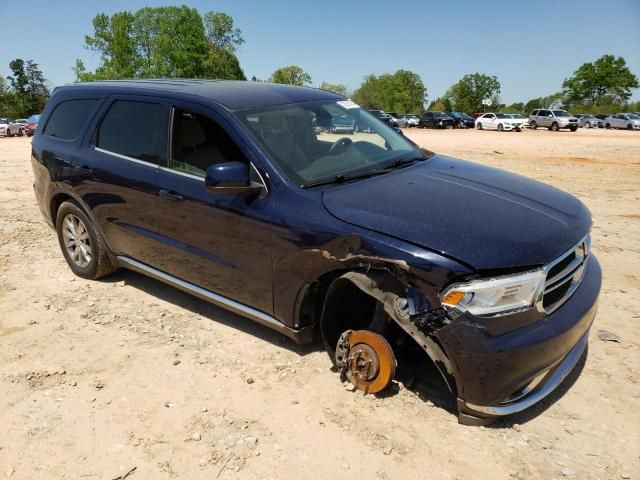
[495, 365]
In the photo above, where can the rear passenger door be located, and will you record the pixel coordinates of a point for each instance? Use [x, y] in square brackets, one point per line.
[218, 242]
[116, 174]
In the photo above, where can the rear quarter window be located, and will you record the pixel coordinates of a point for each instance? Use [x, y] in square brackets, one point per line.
[69, 117]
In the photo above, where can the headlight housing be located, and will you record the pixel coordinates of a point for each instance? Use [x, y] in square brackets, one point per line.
[495, 295]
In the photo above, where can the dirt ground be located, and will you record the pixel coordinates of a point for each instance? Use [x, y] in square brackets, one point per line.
[127, 376]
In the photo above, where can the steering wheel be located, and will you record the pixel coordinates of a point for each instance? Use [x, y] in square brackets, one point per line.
[340, 146]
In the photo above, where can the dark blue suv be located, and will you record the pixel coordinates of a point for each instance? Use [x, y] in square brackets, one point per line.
[226, 190]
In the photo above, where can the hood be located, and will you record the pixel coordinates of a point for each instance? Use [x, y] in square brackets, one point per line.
[484, 217]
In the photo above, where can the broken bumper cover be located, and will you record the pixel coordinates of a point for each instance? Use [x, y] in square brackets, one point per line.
[505, 373]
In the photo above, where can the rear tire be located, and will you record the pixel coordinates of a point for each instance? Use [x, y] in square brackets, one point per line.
[82, 246]
[533, 125]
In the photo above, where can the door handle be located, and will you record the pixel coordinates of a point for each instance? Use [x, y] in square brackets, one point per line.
[84, 170]
[171, 195]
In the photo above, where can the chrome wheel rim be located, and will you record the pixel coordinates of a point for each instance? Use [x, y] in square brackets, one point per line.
[76, 240]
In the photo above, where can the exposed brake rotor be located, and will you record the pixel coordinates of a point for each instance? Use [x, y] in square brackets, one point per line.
[366, 360]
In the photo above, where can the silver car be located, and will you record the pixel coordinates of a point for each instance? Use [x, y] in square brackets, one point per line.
[407, 121]
[9, 128]
[553, 118]
[628, 121]
[587, 121]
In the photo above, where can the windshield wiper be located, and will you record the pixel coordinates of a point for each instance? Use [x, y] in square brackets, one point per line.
[341, 178]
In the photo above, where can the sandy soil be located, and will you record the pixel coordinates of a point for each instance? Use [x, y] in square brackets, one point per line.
[129, 376]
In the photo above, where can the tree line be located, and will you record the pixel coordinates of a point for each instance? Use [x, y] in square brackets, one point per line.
[179, 42]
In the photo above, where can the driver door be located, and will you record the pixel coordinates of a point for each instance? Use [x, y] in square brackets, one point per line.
[219, 242]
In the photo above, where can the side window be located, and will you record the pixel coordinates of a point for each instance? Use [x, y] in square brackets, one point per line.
[68, 118]
[535, 113]
[135, 129]
[199, 142]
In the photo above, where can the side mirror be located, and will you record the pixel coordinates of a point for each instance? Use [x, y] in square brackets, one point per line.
[231, 178]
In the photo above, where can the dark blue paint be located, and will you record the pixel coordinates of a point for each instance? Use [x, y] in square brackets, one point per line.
[427, 225]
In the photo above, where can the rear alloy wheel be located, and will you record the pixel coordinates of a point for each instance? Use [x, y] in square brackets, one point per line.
[479, 126]
[82, 247]
[555, 127]
[533, 125]
[500, 127]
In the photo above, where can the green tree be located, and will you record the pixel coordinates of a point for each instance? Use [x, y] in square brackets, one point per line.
[336, 88]
[29, 89]
[607, 76]
[162, 42]
[220, 31]
[467, 94]
[517, 107]
[291, 75]
[402, 92]
[551, 101]
[440, 105]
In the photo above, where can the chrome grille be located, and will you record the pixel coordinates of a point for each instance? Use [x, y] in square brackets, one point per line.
[564, 275]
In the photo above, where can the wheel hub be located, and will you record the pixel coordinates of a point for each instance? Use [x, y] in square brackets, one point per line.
[366, 360]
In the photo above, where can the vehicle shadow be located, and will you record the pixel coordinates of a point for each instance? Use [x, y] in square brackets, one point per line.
[212, 312]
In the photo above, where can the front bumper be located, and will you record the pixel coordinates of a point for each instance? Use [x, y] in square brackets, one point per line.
[500, 371]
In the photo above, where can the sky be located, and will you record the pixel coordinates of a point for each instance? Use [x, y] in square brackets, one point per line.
[530, 46]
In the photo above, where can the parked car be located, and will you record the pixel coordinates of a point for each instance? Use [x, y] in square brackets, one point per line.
[9, 128]
[601, 120]
[553, 119]
[382, 116]
[394, 118]
[627, 121]
[462, 120]
[21, 121]
[518, 116]
[343, 124]
[587, 121]
[489, 273]
[499, 121]
[408, 121]
[32, 125]
[435, 120]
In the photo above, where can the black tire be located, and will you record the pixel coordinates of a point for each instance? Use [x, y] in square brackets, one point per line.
[479, 126]
[20, 133]
[533, 125]
[9, 134]
[629, 127]
[99, 263]
[554, 127]
[607, 126]
[500, 127]
[573, 129]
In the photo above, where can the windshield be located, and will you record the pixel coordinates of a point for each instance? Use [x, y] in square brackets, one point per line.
[515, 115]
[34, 118]
[21, 120]
[561, 113]
[4, 120]
[300, 141]
[502, 115]
[633, 117]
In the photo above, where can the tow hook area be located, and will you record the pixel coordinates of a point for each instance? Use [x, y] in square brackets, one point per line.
[366, 360]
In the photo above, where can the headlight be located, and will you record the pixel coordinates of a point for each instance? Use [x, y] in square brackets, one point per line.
[495, 295]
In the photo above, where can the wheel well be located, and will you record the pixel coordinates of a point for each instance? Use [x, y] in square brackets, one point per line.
[56, 201]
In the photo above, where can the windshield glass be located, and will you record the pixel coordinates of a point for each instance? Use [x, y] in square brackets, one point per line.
[515, 115]
[304, 142]
[561, 113]
[4, 120]
[502, 115]
[633, 117]
[21, 120]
